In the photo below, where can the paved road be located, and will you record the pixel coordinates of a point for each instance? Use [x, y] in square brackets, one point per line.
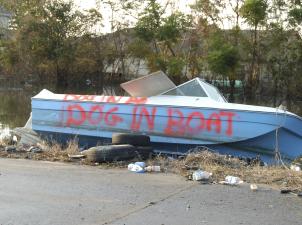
[53, 193]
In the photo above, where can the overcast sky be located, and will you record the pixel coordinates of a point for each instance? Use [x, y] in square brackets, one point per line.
[183, 5]
[92, 3]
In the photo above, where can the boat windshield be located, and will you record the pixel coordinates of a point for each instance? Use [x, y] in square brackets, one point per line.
[196, 88]
[191, 88]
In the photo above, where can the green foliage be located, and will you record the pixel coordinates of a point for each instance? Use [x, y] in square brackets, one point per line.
[156, 62]
[284, 63]
[160, 33]
[149, 21]
[139, 49]
[9, 57]
[173, 27]
[295, 15]
[175, 66]
[209, 9]
[47, 34]
[51, 39]
[223, 58]
[254, 11]
[23, 10]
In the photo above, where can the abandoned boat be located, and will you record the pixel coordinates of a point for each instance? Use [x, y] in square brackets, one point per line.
[177, 119]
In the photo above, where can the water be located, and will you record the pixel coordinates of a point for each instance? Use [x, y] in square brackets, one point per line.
[15, 105]
[15, 108]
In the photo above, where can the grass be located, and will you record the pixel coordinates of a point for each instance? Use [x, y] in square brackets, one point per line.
[50, 152]
[4, 141]
[55, 152]
[219, 165]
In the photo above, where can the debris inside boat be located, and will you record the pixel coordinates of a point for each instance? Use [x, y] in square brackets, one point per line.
[176, 118]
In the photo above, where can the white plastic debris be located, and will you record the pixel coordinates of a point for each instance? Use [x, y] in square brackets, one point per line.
[254, 187]
[35, 149]
[78, 156]
[135, 168]
[153, 169]
[231, 180]
[4, 133]
[15, 139]
[130, 166]
[141, 164]
[201, 175]
[295, 168]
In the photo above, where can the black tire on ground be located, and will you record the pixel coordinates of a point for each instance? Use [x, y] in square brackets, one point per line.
[131, 139]
[144, 152]
[110, 153]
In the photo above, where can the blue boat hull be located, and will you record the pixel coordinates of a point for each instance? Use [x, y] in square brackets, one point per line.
[241, 149]
[172, 128]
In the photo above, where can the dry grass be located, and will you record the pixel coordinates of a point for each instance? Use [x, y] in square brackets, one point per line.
[221, 166]
[55, 152]
[5, 141]
[50, 152]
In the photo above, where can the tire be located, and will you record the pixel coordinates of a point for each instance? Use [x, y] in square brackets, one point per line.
[144, 152]
[131, 139]
[110, 153]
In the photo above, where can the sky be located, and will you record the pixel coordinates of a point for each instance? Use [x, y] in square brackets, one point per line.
[228, 18]
[227, 15]
[183, 5]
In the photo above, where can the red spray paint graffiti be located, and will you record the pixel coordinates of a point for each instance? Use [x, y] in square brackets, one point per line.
[109, 117]
[137, 118]
[176, 122]
[106, 99]
[179, 124]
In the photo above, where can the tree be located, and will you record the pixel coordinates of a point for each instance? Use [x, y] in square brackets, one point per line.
[210, 11]
[223, 59]
[283, 53]
[122, 14]
[47, 33]
[162, 34]
[254, 12]
[219, 47]
[295, 15]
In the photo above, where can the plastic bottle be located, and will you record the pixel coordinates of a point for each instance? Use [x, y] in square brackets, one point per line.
[201, 175]
[141, 164]
[152, 168]
[295, 168]
[135, 168]
[233, 180]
